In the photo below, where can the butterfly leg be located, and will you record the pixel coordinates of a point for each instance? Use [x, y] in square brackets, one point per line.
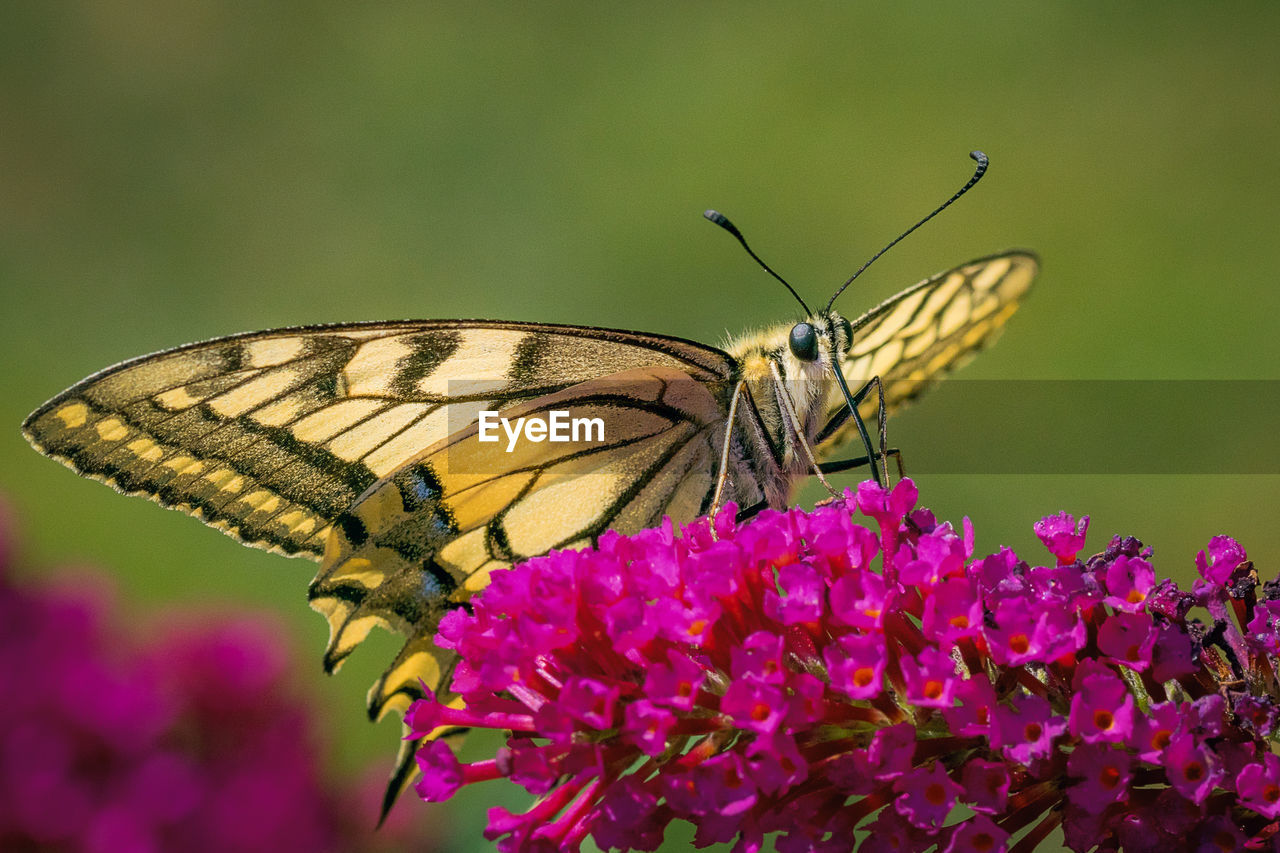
[723, 475]
[828, 468]
[848, 464]
[839, 419]
[879, 472]
[788, 409]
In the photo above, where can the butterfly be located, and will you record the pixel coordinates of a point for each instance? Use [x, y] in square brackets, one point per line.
[363, 446]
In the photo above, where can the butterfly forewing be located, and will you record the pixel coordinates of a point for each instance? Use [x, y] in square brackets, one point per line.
[928, 330]
[270, 436]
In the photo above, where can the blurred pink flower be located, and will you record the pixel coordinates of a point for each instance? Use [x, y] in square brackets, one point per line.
[189, 736]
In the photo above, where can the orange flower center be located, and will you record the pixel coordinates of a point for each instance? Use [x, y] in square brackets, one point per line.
[1109, 778]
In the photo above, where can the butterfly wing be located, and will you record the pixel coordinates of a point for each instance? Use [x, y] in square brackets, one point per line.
[918, 336]
[425, 538]
[356, 443]
[270, 436]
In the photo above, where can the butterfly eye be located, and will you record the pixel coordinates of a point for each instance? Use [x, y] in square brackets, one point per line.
[804, 342]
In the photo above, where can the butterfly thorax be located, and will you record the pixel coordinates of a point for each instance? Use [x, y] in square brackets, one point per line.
[778, 384]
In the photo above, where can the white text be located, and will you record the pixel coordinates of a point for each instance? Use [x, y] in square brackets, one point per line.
[556, 426]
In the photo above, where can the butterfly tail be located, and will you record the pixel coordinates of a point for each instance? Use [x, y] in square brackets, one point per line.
[406, 768]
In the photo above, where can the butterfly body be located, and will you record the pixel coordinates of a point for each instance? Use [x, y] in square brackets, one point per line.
[359, 445]
[782, 387]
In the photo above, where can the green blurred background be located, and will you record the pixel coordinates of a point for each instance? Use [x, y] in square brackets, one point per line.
[173, 172]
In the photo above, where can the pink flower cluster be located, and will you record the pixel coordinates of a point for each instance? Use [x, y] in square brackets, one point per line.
[837, 682]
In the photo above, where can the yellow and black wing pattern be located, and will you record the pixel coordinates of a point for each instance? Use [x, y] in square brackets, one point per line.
[425, 538]
[918, 336]
[270, 436]
[358, 445]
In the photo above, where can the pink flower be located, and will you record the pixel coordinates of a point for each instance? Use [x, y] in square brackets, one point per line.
[802, 674]
[1103, 773]
[1192, 766]
[1062, 536]
[1259, 786]
[1219, 561]
[926, 796]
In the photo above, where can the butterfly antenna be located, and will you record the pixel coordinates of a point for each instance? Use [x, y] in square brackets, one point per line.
[977, 176]
[723, 221]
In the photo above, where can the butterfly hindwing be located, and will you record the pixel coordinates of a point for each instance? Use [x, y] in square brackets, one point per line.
[269, 436]
[426, 538]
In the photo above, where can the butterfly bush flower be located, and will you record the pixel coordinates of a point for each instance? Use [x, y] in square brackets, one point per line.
[193, 742]
[855, 677]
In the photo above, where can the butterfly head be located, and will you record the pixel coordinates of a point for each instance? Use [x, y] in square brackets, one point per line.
[801, 357]
[807, 338]
[808, 360]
